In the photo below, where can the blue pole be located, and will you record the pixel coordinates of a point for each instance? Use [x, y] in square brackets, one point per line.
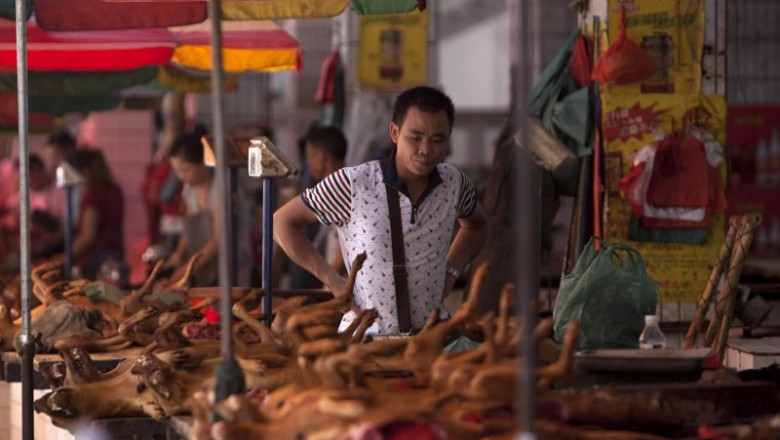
[268, 228]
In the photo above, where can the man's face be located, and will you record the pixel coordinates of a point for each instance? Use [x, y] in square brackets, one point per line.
[315, 160]
[421, 141]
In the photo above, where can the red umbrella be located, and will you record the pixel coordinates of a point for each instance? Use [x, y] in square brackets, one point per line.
[247, 46]
[85, 15]
[265, 9]
[87, 51]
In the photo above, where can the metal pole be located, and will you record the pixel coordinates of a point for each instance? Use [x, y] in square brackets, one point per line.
[268, 225]
[217, 85]
[26, 343]
[68, 232]
[525, 217]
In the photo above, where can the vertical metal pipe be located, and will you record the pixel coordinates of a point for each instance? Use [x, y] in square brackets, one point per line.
[68, 233]
[434, 28]
[268, 246]
[26, 343]
[526, 214]
[217, 106]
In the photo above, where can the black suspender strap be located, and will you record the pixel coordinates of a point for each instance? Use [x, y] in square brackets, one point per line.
[399, 261]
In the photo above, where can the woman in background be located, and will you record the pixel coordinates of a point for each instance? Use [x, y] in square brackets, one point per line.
[200, 233]
[100, 230]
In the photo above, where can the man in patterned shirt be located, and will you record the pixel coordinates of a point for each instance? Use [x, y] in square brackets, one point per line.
[433, 197]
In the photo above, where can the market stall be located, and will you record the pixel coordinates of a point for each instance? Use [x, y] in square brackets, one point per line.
[282, 368]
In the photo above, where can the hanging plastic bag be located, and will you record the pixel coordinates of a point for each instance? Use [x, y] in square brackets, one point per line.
[609, 293]
[624, 62]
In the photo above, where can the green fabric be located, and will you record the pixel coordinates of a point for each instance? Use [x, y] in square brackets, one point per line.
[560, 113]
[609, 293]
[572, 116]
[102, 291]
[60, 105]
[79, 83]
[8, 9]
[368, 7]
[564, 110]
[461, 344]
[637, 232]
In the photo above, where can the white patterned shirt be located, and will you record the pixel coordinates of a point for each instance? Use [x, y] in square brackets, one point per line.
[355, 200]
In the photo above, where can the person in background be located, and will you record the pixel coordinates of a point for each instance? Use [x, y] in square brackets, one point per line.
[161, 191]
[46, 232]
[56, 151]
[200, 232]
[100, 228]
[325, 149]
[433, 197]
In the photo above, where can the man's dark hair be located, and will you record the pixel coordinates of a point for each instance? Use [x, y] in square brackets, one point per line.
[62, 141]
[426, 99]
[329, 139]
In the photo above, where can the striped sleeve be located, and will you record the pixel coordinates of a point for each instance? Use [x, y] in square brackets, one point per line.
[331, 199]
[467, 199]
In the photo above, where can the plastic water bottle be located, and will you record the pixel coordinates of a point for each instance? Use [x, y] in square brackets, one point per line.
[652, 336]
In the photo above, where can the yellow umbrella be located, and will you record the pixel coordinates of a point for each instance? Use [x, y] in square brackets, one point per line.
[246, 46]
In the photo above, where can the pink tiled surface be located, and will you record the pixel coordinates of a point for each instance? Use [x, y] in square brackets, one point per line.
[125, 137]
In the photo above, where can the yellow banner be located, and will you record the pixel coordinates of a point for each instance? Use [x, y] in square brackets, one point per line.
[671, 32]
[393, 53]
[629, 122]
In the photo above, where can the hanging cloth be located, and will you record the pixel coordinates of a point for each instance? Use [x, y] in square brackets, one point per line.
[331, 91]
[581, 65]
[680, 174]
[327, 84]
